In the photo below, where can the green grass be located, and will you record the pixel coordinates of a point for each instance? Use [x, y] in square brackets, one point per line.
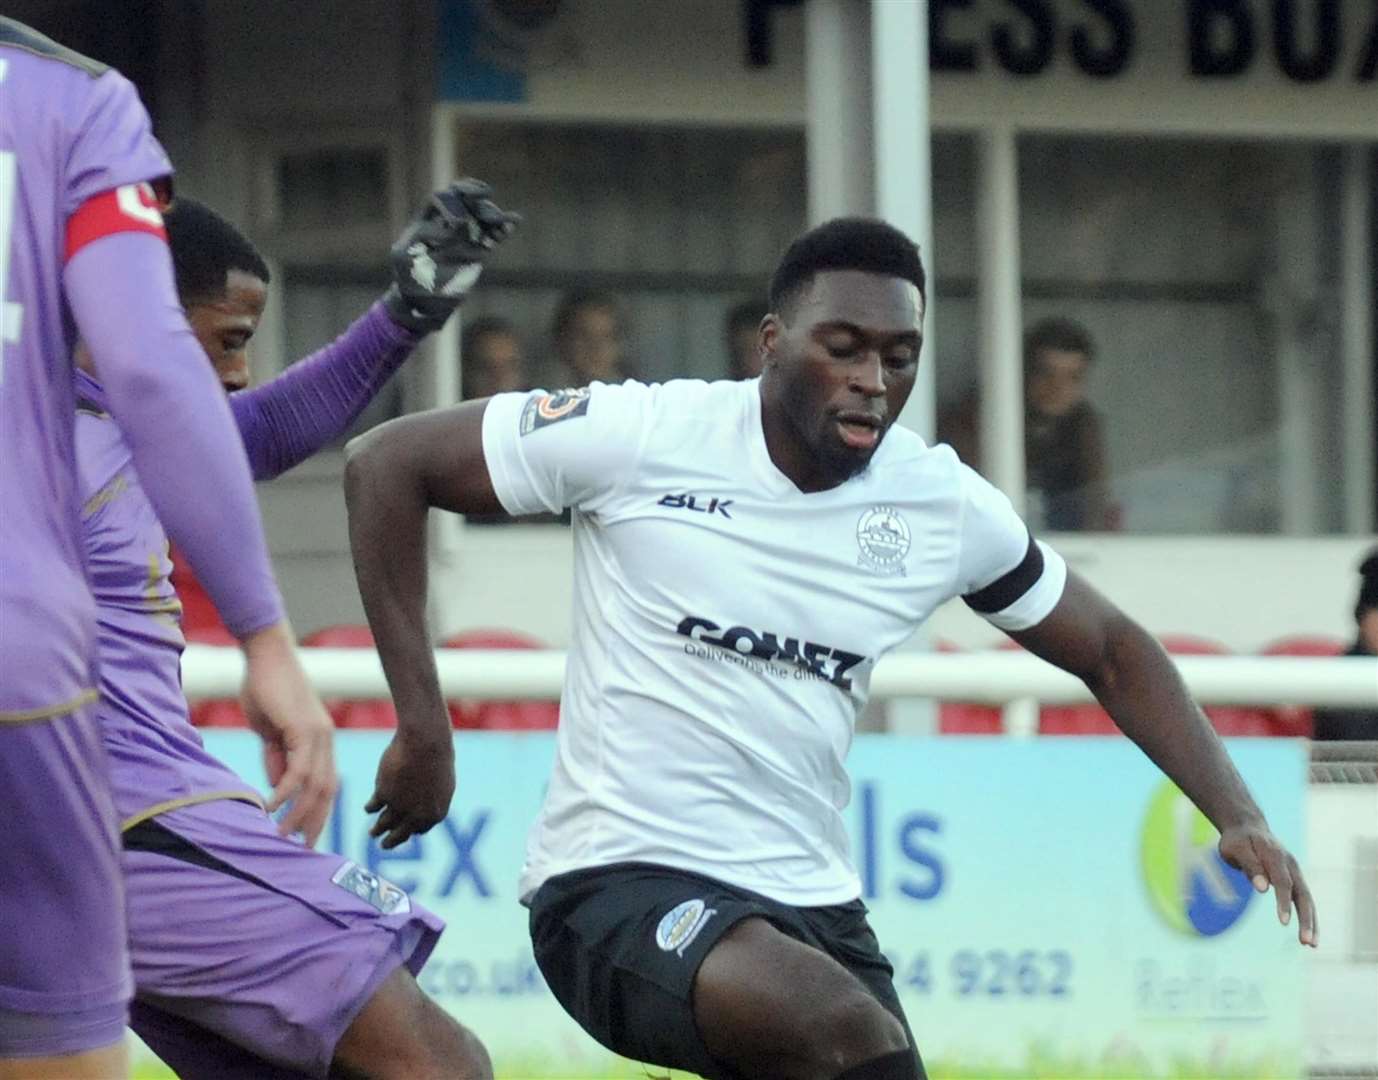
[1040, 1064]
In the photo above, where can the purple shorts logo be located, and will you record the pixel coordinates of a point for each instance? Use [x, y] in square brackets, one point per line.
[371, 889]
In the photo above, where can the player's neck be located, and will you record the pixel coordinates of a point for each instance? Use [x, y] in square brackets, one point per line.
[789, 451]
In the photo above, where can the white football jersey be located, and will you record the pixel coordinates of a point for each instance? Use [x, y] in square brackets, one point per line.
[726, 624]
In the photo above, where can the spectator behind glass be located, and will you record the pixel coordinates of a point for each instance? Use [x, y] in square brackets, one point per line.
[491, 359]
[590, 342]
[1064, 444]
[741, 330]
[1333, 723]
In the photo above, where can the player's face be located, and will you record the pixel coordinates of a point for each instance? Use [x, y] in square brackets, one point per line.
[225, 325]
[840, 364]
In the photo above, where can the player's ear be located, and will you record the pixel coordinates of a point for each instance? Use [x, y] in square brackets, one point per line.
[768, 337]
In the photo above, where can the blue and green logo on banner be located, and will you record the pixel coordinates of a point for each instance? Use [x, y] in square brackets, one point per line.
[1193, 889]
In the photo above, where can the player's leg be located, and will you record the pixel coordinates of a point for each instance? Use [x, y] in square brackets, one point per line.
[676, 969]
[844, 933]
[99, 1064]
[64, 969]
[290, 954]
[190, 1051]
[771, 1006]
[402, 1033]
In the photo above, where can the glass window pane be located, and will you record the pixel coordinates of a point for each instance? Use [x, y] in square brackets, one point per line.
[679, 226]
[329, 187]
[320, 303]
[1205, 275]
[670, 228]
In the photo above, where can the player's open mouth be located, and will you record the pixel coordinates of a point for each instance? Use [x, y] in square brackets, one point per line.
[859, 430]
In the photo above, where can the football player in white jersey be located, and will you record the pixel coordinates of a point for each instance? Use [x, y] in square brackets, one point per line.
[744, 553]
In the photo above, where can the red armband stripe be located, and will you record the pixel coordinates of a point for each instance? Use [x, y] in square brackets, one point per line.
[131, 208]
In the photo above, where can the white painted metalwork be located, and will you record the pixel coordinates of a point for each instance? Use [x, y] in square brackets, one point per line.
[1000, 314]
[994, 677]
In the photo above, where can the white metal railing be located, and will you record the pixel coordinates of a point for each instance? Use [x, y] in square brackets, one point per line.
[991, 677]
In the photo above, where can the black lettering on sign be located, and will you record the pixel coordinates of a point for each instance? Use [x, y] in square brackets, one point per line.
[1105, 61]
[1324, 54]
[1208, 22]
[944, 54]
[1368, 55]
[1014, 54]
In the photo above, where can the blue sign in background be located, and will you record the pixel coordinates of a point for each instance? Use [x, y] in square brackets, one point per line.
[1034, 897]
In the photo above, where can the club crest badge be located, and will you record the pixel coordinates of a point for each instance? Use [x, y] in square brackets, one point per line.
[883, 539]
[542, 410]
[371, 889]
[681, 925]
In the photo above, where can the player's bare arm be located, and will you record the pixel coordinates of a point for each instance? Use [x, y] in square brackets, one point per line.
[1137, 683]
[393, 476]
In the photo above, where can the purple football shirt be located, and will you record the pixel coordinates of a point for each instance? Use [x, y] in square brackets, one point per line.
[67, 132]
[157, 759]
[156, 756]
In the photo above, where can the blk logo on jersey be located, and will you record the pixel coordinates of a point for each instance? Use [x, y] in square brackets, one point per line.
[822, 661]
[697, 503]
[542, 410]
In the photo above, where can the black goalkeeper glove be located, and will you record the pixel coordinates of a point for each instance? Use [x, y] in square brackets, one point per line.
[439, 256]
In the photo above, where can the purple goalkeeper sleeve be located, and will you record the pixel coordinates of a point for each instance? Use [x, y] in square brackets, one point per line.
[286, 420]
[175, 419]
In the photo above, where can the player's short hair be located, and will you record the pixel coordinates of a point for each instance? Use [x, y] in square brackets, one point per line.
[847, 243]
[1065, 335]
[575, 301]
[205, 248]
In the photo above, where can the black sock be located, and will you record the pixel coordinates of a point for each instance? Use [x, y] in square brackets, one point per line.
[901, 1065]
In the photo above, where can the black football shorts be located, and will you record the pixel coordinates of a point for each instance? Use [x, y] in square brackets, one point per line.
[620, 946]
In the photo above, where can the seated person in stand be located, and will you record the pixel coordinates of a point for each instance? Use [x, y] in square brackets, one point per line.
[1360, 723]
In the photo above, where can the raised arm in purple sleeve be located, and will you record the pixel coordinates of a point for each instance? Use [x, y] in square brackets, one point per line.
[173, 414]
[286, 420]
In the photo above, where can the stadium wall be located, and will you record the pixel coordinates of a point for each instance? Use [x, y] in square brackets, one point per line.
[1241, 592]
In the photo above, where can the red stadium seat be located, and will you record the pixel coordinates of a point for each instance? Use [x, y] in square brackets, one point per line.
[1091, 719]
[352, 714]
[1305, 645]
[1296, 720]
[217, 712]
[1084, 719]
[501, 715]
[965, 717]
[198, 612]
[1066, 719]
